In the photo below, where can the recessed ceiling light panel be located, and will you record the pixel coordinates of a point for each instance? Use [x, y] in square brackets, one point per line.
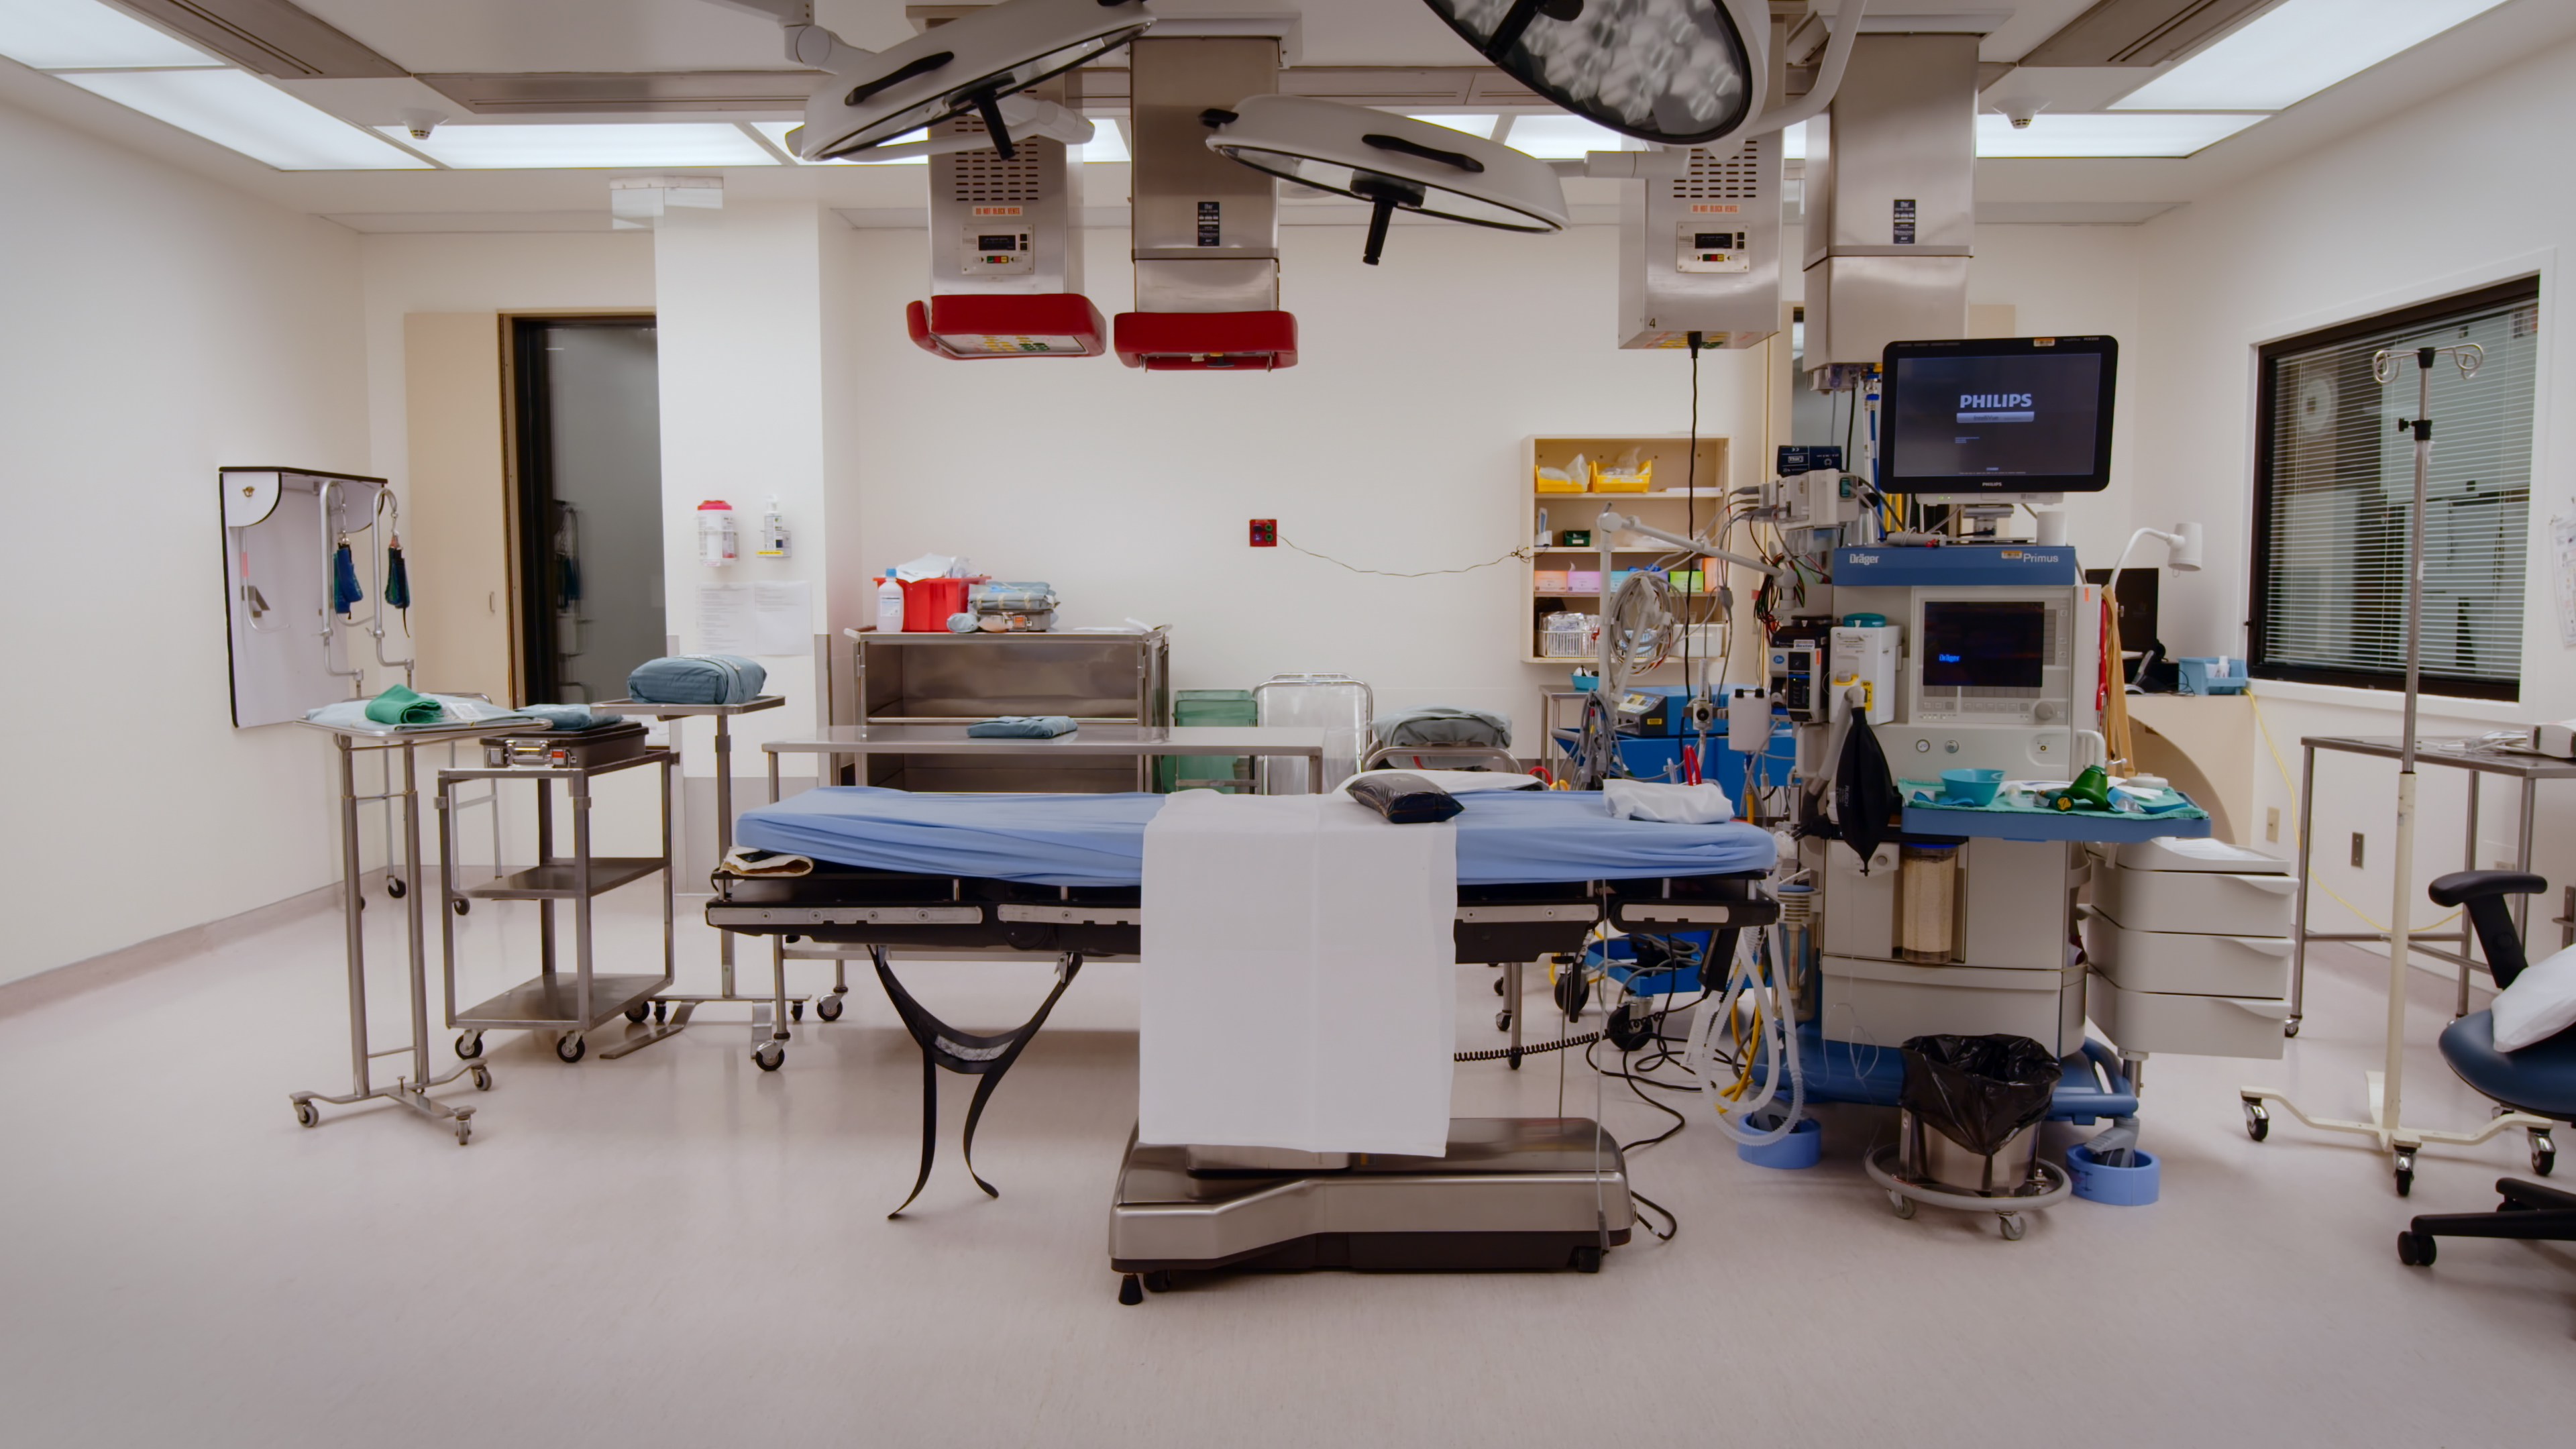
[2119, 134]
[2297, 49]
[510, 147]
[86, 35]
[246, 114]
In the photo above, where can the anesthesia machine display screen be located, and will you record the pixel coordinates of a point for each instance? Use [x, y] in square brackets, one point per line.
[2024, 415]
[1984, 643]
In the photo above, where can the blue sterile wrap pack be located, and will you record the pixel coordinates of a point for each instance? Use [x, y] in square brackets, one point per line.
[696, 679]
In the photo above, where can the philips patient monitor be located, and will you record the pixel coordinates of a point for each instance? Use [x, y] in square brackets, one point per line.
[1998, 415]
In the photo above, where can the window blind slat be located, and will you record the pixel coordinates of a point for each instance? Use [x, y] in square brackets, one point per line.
[2339, 480]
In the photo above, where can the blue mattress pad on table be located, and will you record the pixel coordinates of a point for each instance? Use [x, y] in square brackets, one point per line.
[1522, 837]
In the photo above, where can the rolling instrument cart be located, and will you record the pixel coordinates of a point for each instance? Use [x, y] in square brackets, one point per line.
[669, 1022]
[411, 1091]
[575, 1006]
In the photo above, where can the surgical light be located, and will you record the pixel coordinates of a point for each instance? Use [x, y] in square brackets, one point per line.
[2297, 49]
[1392, 162]
[1672, 72]
[86, 35]
[967, 66]
[246, 114]
[552, 147]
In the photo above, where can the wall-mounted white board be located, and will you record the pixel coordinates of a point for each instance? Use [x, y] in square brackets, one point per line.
[281, 527]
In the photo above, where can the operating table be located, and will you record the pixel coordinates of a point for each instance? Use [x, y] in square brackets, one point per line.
[1062, 875]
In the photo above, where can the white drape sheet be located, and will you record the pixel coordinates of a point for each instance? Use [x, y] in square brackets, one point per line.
[1298, 976]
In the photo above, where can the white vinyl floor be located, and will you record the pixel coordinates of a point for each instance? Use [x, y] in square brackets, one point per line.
[678, 1249]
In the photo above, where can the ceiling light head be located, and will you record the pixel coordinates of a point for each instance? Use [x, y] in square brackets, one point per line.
[1392, 162]
[965, 66]
[1678, 72]
[419, 121]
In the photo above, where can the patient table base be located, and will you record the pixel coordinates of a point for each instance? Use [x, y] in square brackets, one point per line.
[1510, 1193]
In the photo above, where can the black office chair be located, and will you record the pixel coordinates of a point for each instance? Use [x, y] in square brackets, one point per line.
[2539, 1079]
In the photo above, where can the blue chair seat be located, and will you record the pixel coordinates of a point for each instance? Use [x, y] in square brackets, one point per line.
[2540, 1078]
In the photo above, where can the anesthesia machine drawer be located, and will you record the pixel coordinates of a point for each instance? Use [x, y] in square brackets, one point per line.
[2196, 902]
[2206, 1026]
[1885, 1002]
[2199, 965]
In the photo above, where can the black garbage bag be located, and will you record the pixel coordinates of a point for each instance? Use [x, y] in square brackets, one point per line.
[1977, 1090]
[1865, 798]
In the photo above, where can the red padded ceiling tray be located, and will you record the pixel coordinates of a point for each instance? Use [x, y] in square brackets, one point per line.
[1207, 341]
[972, 326]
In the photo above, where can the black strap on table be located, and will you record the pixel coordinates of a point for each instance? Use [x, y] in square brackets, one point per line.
[966, 1054]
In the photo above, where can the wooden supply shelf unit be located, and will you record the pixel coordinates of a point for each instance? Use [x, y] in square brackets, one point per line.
[1686, 494]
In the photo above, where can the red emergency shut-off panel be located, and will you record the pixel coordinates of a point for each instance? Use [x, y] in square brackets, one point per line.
[1265, 533]
[1206, 341]
[972, 326]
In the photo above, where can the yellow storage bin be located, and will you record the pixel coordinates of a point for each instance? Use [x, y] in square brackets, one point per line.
[1628, 475]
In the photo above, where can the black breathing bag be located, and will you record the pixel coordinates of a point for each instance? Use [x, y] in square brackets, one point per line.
[1402, 798]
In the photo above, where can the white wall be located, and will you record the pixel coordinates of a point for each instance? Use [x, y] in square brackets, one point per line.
[2465, 190]
[159, 327]
[1394, 444]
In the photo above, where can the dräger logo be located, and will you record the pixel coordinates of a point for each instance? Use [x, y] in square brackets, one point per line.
[1864, 558]
[1994, 400]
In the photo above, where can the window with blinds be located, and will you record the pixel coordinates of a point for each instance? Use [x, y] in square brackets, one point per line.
[2333, 489]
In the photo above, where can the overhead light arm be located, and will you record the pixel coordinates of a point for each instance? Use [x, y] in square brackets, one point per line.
[1023, 116]
[807, 42]
[1829, 76]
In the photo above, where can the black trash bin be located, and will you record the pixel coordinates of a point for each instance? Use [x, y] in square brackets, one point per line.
[1982, 1095]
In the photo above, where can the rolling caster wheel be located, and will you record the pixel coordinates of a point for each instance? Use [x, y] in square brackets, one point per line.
[1503, 1019]
[1587, 1260]
[2258, 1120]
[661, 1011]
[2544, 1154]
[397, 887]
[1498, 986]
[482, 1078]
[796, 1011]
[1158, 1281]
[829, 1008]
[463, 907]
[2405, 1163]
[307, 1115]
[464, 1133]
[1903, 1205]
[2014, 1226]
[570, 1047]
[2415, 1250]
[469, 1045]
[638, 1012]
[769, 1055]
[2290, 1028]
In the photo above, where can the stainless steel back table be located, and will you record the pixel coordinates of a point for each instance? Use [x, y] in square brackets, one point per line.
[2477, 756]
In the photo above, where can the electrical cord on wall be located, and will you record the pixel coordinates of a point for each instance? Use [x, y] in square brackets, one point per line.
[1524, 551]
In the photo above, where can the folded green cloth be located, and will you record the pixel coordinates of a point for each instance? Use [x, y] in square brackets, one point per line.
[401, 706]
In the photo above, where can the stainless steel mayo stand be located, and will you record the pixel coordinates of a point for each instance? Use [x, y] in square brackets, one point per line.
[1142, 742]
[2459, 754]
[542, 1003]
[411, 1091]
[678, 1021]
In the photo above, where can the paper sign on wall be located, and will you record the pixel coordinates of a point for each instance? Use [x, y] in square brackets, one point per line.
[782, 617]
[725, 619]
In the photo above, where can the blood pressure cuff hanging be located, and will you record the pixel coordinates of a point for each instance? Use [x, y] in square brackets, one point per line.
[1865, 798]
[1402, 798]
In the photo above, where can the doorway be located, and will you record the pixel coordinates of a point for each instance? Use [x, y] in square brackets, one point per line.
[586, 405]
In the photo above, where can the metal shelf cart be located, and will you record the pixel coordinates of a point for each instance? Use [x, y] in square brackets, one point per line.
[403, 884]
[575, 1006]
[670, 1022]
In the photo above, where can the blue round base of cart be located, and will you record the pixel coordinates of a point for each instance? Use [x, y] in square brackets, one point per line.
[2134, 1186]
[1904, 1194]
[1803, 1147]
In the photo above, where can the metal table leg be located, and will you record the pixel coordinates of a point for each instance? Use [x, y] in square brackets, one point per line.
[2468, 861]
[724, 839]
[2299, 913]
[410, 1090]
